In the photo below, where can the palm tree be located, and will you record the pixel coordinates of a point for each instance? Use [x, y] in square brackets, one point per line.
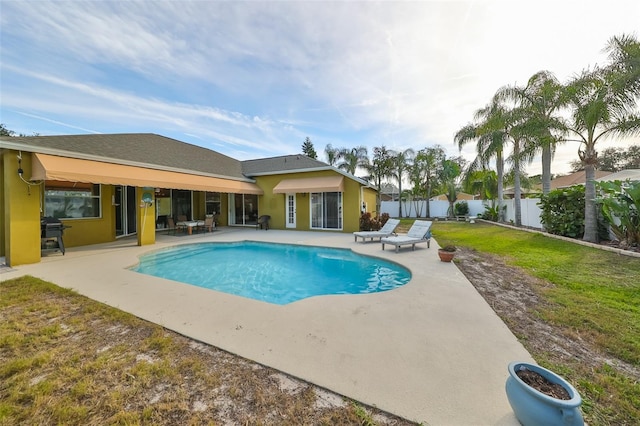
[604, 103]
[488, 132]
[541, 99]
[379, 169]
[401, 164]
[332, 154]
[424, 172]
[448, 174]
[483, 183]
[351, 159]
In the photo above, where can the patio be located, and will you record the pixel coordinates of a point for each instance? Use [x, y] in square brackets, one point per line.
[432, 351]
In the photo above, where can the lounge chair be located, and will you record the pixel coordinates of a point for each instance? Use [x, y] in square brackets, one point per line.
[420, 232]
[385, 231]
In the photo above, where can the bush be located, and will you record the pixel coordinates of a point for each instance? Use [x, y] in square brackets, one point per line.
[369, 223]
[461, 208]
[383, 219]
[563, 211]
[621, 209]
[491, 213]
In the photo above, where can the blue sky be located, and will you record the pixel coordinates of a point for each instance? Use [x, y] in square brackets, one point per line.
[254, 79]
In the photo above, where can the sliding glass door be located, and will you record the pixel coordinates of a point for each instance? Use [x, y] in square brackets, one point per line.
[243, 209]
[326, 210]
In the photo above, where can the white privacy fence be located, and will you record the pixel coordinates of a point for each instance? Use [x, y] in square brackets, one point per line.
[530, 211]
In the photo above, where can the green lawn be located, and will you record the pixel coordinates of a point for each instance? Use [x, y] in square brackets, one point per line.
[594, 294]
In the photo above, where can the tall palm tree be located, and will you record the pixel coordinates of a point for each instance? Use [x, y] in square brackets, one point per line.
[515, 127]
[541, 99]
[332, 154]
[401, 164]
[350, 159]
[604, 103]
[380, 168]
[488, 133]
[448, 174]
[424, 172]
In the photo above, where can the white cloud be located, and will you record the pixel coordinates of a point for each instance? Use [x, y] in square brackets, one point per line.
[255, 78]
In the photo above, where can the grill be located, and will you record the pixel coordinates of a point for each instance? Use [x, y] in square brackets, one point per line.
[51, 230]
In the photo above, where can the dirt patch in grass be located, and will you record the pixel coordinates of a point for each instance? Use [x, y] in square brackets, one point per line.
[65, 359]
[515, 297]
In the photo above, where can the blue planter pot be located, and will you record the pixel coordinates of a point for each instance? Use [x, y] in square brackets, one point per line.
[533, 408]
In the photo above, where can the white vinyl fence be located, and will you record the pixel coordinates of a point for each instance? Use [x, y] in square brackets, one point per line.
[530, 211]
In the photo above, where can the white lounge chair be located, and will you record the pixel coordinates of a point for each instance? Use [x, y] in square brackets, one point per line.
[420, 232]
[385, 231]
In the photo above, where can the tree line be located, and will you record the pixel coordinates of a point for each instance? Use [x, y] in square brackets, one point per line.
[518, 124]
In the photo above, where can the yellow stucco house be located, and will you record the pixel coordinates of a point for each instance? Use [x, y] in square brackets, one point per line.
[103, 187]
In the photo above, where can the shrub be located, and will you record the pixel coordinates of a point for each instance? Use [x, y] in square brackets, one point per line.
[365, 221]
[621, 209]
[369, 223]
[461, 208]
[491, 213]
[563, 211]
[384, 217]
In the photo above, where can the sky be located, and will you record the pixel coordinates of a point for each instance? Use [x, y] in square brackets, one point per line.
[254, 79]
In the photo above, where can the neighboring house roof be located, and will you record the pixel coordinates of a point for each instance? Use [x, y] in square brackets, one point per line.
[389, 188]
[461, 196]
[140, 149]
[622, 175]
[577, 178]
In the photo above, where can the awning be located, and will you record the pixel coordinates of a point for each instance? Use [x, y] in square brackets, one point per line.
[317, 184]
[50, 167]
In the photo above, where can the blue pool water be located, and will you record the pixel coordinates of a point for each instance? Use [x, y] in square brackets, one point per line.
[274, 273]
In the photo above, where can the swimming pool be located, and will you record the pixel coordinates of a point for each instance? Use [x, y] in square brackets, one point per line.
[274, 273]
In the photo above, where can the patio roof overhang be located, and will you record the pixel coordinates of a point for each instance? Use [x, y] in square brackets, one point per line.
[51, 167]
[317, 184]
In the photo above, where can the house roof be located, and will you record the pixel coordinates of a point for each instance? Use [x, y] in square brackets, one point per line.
[622, 175]
[389, 188]
[284, 163]
[291, 163]
[141, 149]
[577, 178]
[461, 196]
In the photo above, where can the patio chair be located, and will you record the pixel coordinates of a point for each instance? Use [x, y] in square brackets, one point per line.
[420, 232]
[385, 231]
[263, 222]
[172, 228]
[209, 224]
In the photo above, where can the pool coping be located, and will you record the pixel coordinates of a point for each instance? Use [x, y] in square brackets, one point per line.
[431, 351]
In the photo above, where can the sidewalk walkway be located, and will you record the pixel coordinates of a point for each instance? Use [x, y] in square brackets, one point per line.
[431, 351]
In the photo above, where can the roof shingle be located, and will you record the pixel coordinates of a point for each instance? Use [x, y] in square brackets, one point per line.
[145, 148]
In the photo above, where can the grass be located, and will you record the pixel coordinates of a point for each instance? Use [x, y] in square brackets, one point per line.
[590, 293]
[66, 359]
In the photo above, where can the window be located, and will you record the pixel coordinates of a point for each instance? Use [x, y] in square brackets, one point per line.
[326, 210]
[213, 203]
[71, 200]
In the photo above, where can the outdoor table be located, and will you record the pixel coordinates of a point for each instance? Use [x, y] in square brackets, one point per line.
[190, 224]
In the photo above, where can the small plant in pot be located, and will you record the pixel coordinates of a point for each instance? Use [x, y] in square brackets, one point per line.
[447, 253]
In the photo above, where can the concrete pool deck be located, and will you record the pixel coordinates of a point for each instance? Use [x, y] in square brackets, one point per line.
[432, 351]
